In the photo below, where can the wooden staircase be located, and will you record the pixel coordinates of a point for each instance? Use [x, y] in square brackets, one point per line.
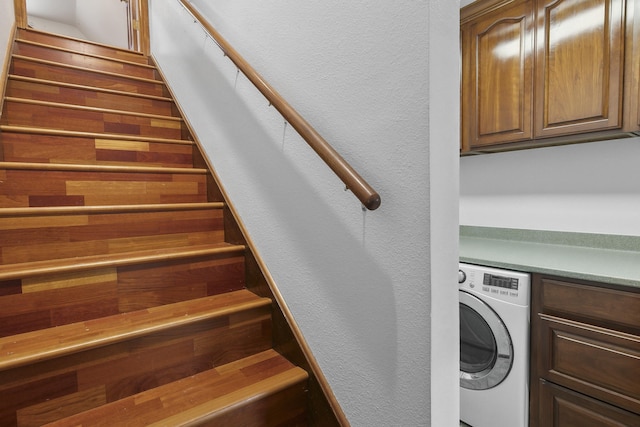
[128, 292]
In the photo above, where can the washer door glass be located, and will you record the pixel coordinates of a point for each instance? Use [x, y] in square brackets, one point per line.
[486, 351]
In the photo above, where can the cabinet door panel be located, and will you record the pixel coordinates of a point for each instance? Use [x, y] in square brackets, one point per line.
[595, 361]
[560, 407]
[632, 64]
[579, 66]
[611, 308]
[497, 86]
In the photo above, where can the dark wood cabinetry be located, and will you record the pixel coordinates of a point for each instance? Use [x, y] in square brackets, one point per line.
[585, 354]
[579, 66]
[540, 72]
[497, 77]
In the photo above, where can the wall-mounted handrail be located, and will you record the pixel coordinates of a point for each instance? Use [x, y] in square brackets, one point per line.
[353, 181]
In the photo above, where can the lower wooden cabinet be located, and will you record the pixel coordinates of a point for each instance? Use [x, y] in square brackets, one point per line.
[585, 354]
[560, 406]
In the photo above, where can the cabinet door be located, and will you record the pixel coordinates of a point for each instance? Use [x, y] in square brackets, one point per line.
[497, 77]
[561, 407]
[632, 67]
[579, 66]
[598, 362]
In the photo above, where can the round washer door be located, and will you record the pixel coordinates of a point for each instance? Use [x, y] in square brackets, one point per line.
[486, 350]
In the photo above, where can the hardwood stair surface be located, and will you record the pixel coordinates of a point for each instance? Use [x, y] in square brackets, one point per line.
[51, 91]
[81, 46]
[260, 390]
[129, 293]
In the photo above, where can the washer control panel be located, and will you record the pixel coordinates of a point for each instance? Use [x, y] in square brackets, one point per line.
[505, 285]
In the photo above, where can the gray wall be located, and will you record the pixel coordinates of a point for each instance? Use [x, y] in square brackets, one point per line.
[589, 188]
[374, 293]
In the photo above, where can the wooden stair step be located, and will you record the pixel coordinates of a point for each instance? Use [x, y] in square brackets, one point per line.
[44, 146]
[48, 184]
[56, 71]
[25, 112]
[37, 346]
[56, 372]
[96, 135]
[66, 265]
[49, 234]
[51, 297]
[83, 46]
[260, 390]
[70, 57]
[51, 91]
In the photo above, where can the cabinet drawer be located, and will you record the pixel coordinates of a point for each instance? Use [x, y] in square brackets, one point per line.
[599, 362]
[610, 308]
[560, 407]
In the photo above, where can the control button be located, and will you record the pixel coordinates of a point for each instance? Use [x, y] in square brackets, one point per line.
[461, 276]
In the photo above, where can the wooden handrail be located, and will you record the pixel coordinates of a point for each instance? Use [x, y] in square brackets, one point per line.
[353, 181]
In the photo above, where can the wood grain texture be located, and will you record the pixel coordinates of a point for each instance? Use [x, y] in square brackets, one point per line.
[497, 80]
[21, 112]
[123, 271]
[34, 148]
[48, 70]
[37, 238]
[46, 90]
[179, 340]
[82, 46]
[216, 396]
[579, 66]
[585, 341]
[79, 59]
[562, 407]
[59, 188]
[548, 72]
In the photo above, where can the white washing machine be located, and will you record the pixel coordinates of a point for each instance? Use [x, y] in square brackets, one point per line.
[494, 346]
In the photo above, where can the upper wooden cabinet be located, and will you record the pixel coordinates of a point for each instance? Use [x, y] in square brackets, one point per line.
[497, 76]
[548, 71]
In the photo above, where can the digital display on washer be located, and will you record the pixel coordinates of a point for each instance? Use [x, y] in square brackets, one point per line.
[500, 281]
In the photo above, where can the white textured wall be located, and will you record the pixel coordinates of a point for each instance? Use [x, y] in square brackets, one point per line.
[7, 19]
[58, 10]
[360, 284]
[589, 188]
[103, 21]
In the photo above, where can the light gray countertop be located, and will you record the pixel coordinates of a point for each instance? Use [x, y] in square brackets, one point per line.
[596, 257]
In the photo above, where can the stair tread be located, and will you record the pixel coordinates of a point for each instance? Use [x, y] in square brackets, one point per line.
[86, 87]
[31, 347]
[84, 210]
[61, 265]
[194, 399]
[89, 70]
[89, 108]
[47, 37]
[78, 52]
[99, 168]
[61, 132]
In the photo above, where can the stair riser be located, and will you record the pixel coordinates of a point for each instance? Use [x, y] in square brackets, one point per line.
[89, 98]
[34, 393]
[36, 238]
[60, 73]
[46, 301]
[81, 46]
[284, 409]
[80, 60]
[34, 188]
[81, 120]
[24, 147]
